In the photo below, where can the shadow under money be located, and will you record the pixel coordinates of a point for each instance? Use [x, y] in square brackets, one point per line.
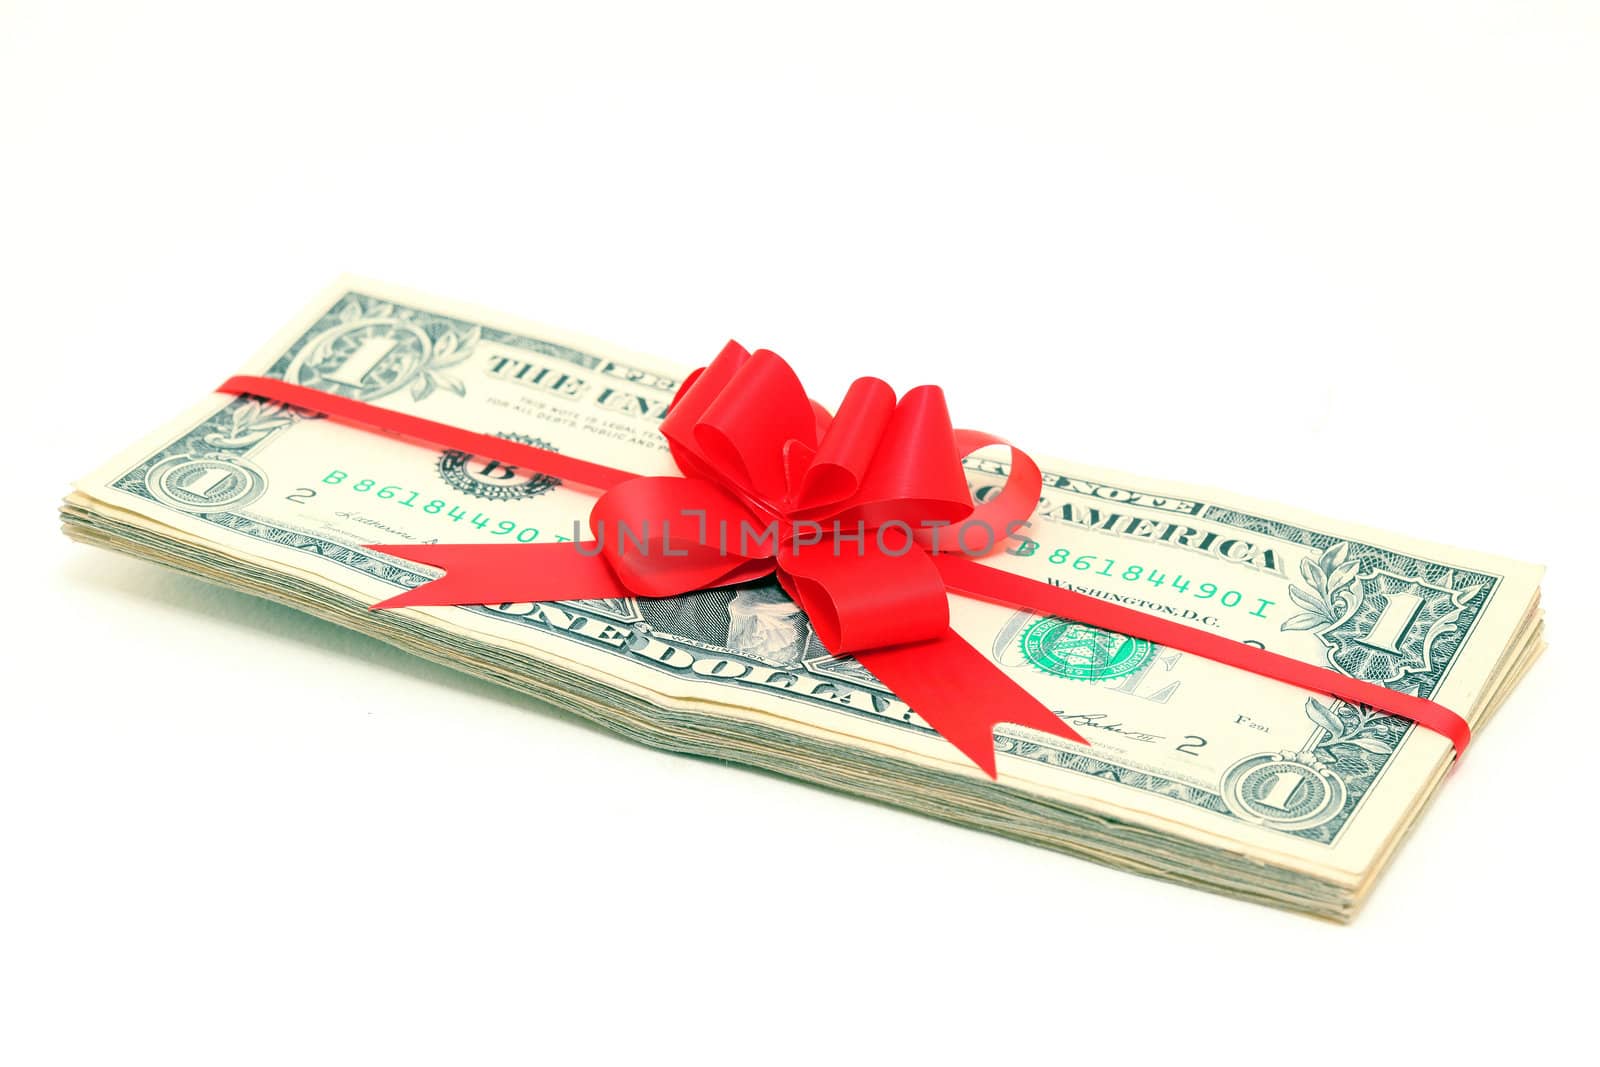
[137, 584]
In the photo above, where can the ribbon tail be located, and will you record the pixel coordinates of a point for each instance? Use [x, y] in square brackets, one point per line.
[506, 574]
[961, 693]
[968, 578]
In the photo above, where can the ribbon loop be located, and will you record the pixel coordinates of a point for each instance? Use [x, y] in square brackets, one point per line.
[847, 447]
[916, 476]
[998, 517]
[859, 595]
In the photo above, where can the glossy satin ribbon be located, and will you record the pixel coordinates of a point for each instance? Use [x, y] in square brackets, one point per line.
[864, 516]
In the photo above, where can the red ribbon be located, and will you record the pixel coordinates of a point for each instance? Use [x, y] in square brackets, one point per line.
[861, 515]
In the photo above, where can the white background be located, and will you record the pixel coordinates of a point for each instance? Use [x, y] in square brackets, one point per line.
[1345, 256]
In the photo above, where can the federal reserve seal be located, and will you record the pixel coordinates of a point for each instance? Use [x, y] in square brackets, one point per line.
[1073, 650]
[1283, 790]
[490, 479]
[205, 483]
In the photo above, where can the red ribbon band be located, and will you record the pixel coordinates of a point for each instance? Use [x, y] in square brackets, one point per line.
[860, 515]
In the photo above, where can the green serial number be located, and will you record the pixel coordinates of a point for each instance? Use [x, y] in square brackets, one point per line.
[1135, 572]
[402, 497]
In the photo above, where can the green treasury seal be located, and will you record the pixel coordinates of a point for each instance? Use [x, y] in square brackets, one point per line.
[1073, 650]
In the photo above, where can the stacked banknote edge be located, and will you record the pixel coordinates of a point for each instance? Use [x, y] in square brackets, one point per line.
[1196, 772]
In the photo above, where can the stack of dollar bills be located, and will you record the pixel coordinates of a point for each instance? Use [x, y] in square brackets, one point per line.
[1196, 772]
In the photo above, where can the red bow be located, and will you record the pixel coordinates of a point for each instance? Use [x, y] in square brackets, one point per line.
[864, 516]
[844, 508]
